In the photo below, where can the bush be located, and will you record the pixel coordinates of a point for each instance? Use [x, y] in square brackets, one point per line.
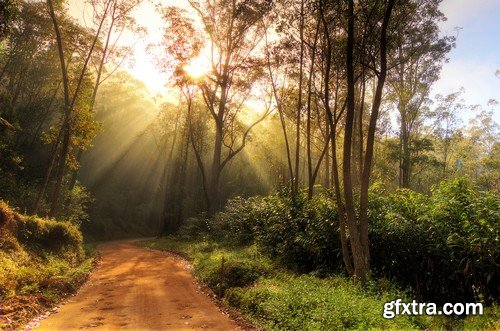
[445, 246]
[221, 273]
[449, 239]
[239, 221]
[275, 298]
[195, 227]
[61, 238]
[241, 266]
[303, 234]
[38, 254]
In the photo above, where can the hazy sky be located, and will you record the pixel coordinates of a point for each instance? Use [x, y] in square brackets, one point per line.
[476, 57]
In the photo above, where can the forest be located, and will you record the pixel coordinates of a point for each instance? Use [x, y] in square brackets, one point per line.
[297, 155]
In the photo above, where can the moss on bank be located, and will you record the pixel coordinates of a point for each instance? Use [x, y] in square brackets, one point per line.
[41, 261]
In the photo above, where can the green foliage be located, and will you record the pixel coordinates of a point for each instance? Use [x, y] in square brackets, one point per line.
[489, 321]
[303, 235]
[450, 240]
[22, 193]
[223, 270]
[219, 266]
[24, 273]
[8, 11]
[288, 302]
[274, 298]
[39, 255]
[76, 205]
[61, 238]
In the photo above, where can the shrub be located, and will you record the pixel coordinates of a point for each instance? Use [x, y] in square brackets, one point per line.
[221, 273]
[39, 255]
[241, 266]
[239, 221]
[302, 235]
[75, 208]
[60, 238]
[449, 239]
[195, 227]
[445, 246]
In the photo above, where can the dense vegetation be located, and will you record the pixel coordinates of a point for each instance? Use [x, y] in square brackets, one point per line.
[41, 260]
[450, 238]
[271, 260]
[275, 259]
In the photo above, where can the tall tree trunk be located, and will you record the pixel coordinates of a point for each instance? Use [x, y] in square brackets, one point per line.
[299, 100]
[97, 83]
[213, 199]
[310, 176]
[197, 154]
[405, 152]
[167, 176]
[69, 102]
[377, 100]
[360, 266]
[332, 119]
[60, 173]
[282, 120]
[48, 173]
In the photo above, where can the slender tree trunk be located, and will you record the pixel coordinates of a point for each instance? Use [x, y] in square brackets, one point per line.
[405, 154]
[97, 83]
[299, 101]
[332, 129]
[283, 125]
[360, 267]
[60, 173]
[181, 187]
[69, 102]
[377, 100]
[197, 154]
[168, 175]
[327, 175]
[48, 174]
[45, 115]
[213, 199]
[310, 176]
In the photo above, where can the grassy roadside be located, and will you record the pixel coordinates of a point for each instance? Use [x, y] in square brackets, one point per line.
[41, 285]
[275, 298]
[41, 262]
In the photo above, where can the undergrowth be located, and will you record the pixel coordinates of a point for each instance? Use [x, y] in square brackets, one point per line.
[41, 261]
[276, 298]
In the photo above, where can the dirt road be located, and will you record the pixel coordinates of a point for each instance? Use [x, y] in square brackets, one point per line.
[138, 289]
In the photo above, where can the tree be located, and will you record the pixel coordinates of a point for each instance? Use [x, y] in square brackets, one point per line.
[416, 65]
[117, 12]
[8, 11]
[447, 120]
[358, 229]
[234, 31]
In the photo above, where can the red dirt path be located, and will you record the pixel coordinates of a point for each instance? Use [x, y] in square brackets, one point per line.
[138, 289]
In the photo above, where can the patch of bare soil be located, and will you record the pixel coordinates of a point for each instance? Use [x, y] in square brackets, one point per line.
[17, 311]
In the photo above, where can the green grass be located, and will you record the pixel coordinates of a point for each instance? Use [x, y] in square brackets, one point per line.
[41, 261]
[275, 298]
[217, 266]
[309, 303]
[22, 273]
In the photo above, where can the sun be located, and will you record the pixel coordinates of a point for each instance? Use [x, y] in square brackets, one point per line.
[198, 67]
